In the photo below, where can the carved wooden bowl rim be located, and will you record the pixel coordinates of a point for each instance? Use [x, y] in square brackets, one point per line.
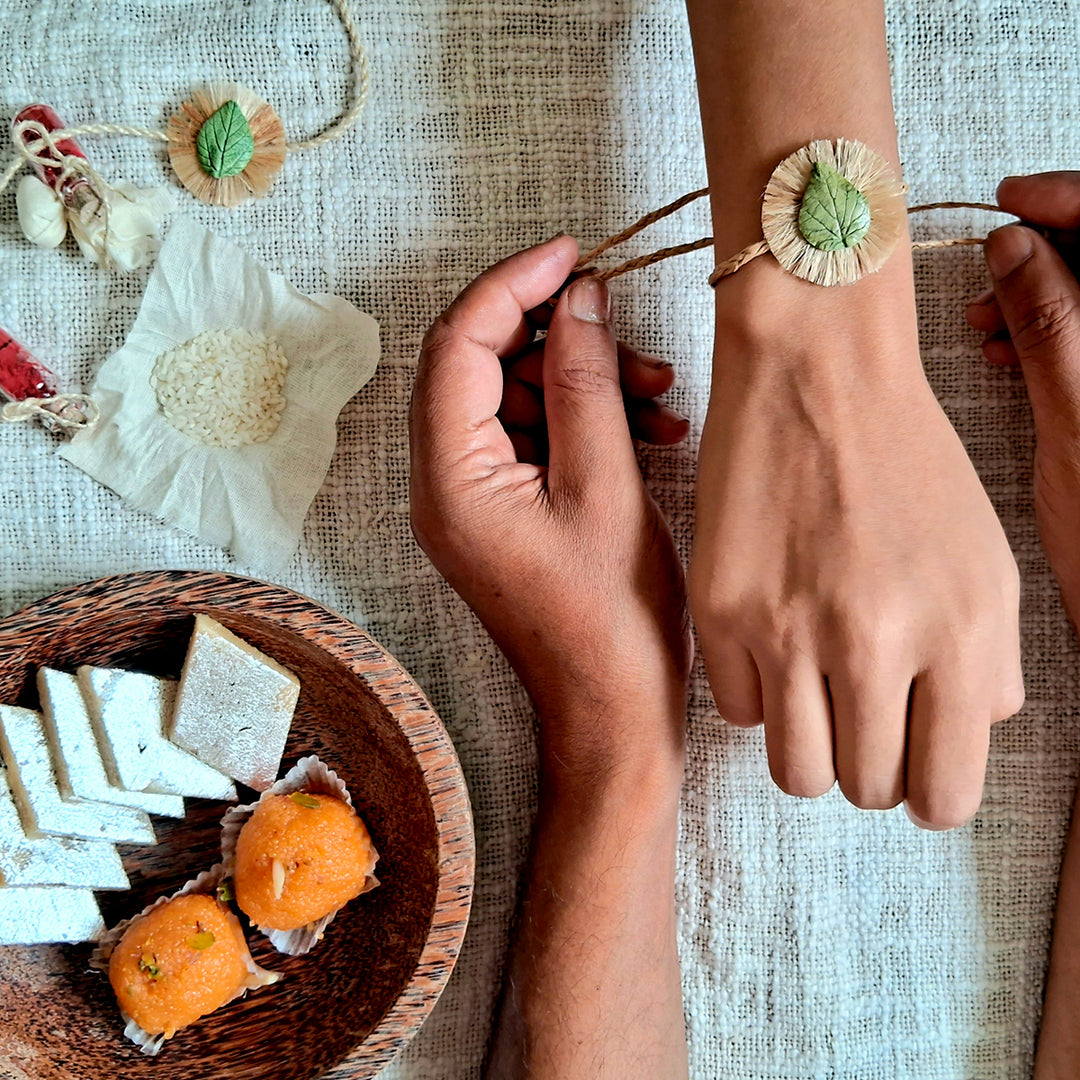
[352, 647]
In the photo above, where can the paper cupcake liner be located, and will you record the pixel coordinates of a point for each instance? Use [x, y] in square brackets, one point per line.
[308, 774]
[207, 882]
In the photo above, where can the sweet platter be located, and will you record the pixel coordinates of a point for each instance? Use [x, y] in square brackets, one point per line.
[346, 1008]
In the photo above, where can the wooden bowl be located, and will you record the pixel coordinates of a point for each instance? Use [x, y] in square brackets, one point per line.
[346, 1008]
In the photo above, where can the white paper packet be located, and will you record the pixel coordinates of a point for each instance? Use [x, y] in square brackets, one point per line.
[251, 499]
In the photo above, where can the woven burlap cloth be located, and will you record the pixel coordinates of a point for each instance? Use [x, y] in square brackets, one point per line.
[817, 940]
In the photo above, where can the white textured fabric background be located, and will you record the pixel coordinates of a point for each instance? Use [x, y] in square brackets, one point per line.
[817, 940]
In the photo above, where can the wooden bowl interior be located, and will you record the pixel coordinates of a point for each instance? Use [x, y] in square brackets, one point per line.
[59, 1021]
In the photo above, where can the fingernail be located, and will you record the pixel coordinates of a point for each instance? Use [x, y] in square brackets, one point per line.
[1006, 249]
[653, 361]
[672, 417]
[982, 299]
[925, 825]
[587, 299]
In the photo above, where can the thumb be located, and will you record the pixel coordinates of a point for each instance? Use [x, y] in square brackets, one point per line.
[1040, 301]
[588, 436]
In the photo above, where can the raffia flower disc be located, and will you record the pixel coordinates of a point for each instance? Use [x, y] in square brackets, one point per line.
[871, 241]
[226, 144]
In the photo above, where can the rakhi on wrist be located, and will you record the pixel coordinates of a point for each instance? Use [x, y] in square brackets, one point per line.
[832, 212]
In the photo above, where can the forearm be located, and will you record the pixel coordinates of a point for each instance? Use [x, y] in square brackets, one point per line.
[774, 75]
[592, 987]
[1059, 1039]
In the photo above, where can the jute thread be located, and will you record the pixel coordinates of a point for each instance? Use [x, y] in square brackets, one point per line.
[69, 412]
[752, 251]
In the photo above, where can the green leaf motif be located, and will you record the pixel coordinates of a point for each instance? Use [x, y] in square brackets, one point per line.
[834, 214]
[225, 144]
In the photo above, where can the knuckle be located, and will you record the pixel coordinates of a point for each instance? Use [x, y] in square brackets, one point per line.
[715, 606]
[586, 374]
[1011, 586]
[1050, 320]
[865, 626]
[724, 607]
[1009, 704]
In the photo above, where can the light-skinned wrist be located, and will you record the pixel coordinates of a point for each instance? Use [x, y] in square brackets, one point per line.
[762, 309]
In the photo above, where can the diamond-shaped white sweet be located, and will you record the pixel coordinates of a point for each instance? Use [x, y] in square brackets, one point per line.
[234, 706]
[41, 914]
[33, 785]
[76, 757]
[129, 712]
[53, 860]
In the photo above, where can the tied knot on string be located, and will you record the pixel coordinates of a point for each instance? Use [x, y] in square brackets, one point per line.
[62, 412]
[36, 145]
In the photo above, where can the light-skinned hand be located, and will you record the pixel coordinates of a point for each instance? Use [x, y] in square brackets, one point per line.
[569, 564]
[850, 582]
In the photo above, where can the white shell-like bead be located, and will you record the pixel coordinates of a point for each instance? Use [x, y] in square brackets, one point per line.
[41, 213]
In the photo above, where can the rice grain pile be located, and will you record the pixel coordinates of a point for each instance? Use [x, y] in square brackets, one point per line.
[223, 387]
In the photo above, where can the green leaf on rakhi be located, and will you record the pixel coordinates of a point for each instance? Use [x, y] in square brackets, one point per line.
[225, 144]
[834, 214]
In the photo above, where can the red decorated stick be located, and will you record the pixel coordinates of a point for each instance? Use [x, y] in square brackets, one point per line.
[22, 375]
[27, 381]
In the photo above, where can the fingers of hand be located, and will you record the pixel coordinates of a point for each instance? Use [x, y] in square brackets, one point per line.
[948, 742]
[1051, 199]
[1008, 676]
[734, 680]
[491, 310]
[588, 435]
[459, 383]
[656, 423]
[1040, 302]
[643, 378]
[999, 350]
[870, 716]
[984, 314]
[643, 375]
[798, 728]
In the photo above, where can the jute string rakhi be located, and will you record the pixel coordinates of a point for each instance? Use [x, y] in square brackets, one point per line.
[226, 144]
